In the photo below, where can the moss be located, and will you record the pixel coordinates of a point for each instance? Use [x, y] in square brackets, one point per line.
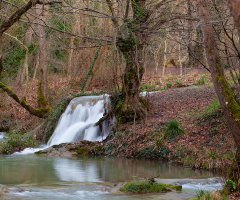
[224, 192]
[81, 151]
[40, 112]
[40, 152]
[59, 145]
[230, 101]
[9, 92]
[177, 187]
[42, 102]
[90, 72]
[143, 102]
[145, 186]
[148, 186]
[97, 150]
[43, 111]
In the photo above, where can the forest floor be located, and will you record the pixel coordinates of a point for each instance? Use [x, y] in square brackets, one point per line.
[205, 144]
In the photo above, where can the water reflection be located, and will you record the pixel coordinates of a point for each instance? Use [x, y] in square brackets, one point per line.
[28, 169]
[38, 178]
[76, 170]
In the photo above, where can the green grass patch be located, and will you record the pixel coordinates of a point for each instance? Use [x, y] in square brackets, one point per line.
[148, 186]
[173, 129]
[212, 107]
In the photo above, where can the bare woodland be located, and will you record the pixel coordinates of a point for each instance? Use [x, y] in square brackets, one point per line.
[114, 44]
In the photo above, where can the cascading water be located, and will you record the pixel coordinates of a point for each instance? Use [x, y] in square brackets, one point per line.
[78, 121]
[1, 135]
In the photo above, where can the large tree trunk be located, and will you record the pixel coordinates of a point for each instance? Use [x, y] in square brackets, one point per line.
[131, 43]
[133, 73]
[230, 107]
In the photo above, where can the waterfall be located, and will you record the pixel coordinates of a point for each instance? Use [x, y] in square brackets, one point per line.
[78, 121]
[2, 135]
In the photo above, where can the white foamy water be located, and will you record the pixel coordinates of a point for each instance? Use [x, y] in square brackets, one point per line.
[78, 121]
[1, 135]
[31, 150]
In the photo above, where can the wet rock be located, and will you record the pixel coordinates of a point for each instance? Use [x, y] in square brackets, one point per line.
[80, 148]
[3, 190]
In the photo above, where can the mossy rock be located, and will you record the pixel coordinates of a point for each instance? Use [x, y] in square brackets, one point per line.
[177, 187]
[148, 186]
[81, 151]
[59, 145]
[40, 153]
[80, 148]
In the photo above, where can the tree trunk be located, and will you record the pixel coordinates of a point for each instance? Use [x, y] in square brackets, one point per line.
[70, 56]
[43, 64]
[230, 107]
[130, 41]
[234, 6]
[102, 50]
[180, 61]
[190, 45]
[164, 58]
[132, 77]
[133, 73]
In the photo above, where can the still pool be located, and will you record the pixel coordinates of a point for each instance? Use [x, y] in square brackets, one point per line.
[88, 178]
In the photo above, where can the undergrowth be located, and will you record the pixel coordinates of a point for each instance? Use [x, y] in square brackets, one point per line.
[206, 195]
[16, 142]
[173, 129]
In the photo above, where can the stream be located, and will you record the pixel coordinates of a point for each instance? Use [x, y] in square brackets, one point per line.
[34, 177]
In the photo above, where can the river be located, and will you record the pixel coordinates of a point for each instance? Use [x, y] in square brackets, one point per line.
[37, 178]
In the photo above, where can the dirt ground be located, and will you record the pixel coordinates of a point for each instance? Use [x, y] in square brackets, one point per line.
[206, 142]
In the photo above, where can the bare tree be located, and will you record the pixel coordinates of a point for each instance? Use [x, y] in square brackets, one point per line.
[234, 6]
[133, 31]
[43, 107]
[230, 106]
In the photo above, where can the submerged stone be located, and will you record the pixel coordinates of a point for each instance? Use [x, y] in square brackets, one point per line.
[148, 186]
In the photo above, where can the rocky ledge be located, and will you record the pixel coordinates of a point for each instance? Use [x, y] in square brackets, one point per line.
[80, 148]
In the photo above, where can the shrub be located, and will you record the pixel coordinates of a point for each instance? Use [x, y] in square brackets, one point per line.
[173, 129]
[151, 152]
[158, 82]
[152, 87]
[201, 81]
[205, 195]
[179, 83]
[159, 143]
[16, 142]
[169, 84]
[144, 87]
[201, 193]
